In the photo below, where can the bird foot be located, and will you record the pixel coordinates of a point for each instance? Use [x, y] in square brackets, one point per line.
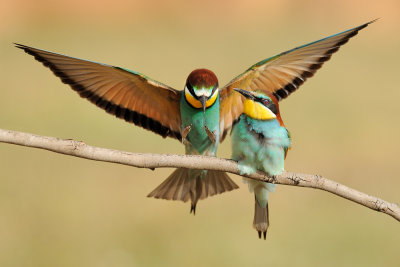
[245, 169]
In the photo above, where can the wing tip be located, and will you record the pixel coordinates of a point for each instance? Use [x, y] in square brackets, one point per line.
[20, 46]
[372, 21]
[362, 26]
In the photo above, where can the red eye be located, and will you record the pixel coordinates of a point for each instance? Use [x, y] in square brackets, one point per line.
[266, 101]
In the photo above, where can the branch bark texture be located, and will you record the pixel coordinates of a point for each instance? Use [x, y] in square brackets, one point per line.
[152, 161]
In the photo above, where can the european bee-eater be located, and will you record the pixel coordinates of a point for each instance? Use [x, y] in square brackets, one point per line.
[260, 142]
[199, 114]
[192, 115]
[259, 139]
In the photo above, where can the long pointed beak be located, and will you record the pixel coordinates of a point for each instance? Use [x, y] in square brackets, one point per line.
[245, 93]
[203, 100]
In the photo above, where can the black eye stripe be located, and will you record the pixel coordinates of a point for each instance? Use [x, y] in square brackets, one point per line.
[215, 87]
[272, 107]
[268, 103]
[190, 88]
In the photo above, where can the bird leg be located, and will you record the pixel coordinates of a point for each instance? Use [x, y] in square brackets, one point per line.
[210, 134]
[185, 132]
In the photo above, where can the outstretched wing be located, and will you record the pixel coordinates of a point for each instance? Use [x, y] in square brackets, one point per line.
[280, 75]
[124, 93]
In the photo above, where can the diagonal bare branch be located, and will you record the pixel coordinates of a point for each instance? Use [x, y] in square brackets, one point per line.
[151, 161]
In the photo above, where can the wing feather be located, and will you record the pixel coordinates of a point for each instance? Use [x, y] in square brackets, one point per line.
[280, 75]
[124, 93]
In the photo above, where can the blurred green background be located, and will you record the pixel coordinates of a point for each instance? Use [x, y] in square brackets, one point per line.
[57, 210]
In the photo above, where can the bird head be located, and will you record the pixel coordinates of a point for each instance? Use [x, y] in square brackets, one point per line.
[201, 90]
[259, 105]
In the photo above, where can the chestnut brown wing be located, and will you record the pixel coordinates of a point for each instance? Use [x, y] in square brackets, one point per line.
[280, 75]
[126, 94]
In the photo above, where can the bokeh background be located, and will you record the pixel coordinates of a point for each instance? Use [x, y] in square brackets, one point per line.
[58, 210]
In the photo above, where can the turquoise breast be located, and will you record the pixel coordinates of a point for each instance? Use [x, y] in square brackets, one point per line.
[199, 142]
[260, 145]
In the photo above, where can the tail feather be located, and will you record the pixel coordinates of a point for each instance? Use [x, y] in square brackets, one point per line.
[161, 189]
[218, 186]
[181, 186]
[173, 187]
[179, 190]
[209, 186]
[261, 219]
[216, 182]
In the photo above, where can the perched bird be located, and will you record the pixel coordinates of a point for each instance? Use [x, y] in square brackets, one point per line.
[259, 139]
[191, 116]
[260, 142]
[200, 115]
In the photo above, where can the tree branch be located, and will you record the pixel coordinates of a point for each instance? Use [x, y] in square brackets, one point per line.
[151, 161]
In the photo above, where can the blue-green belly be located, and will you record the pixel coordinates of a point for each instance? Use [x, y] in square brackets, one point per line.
[198, 140]
[260, 145]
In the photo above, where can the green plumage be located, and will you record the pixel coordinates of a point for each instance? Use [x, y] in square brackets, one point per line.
[185, 184]
[198, 142]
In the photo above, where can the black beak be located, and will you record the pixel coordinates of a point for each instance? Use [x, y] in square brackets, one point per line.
[203, 100]
[245, 93]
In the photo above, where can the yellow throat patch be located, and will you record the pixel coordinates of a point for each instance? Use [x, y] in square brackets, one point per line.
[258, 111]
[196, 103]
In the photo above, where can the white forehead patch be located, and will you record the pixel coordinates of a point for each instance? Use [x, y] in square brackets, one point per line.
[203, 91]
